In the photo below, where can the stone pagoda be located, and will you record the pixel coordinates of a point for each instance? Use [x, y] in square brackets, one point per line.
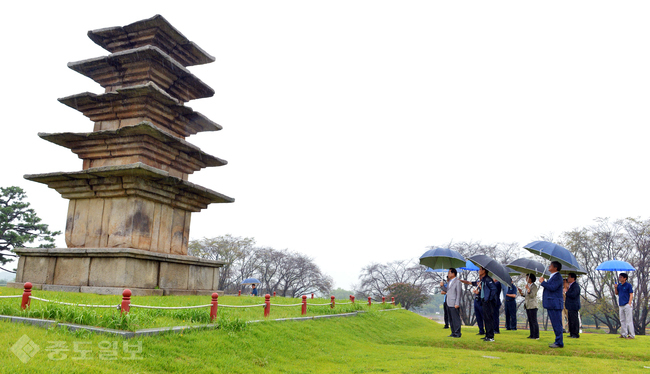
[128, 222]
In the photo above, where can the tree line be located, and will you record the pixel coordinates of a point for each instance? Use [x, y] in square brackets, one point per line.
[285, 272]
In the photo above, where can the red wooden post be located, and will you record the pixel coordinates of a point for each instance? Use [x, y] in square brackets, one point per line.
[126, 301]
[239, 293]
[369, 300]
[215, 305]
[26, 294]
[383, 299]
[332, 306]
[312, 296]
[267, 307]
[392, 300]
[304, 304]
[352, 297]
[273, 293]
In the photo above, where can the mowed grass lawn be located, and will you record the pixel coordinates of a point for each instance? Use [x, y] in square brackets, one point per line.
[391, 341]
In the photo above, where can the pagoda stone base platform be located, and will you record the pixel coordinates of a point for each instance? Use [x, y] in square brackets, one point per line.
[109, 271]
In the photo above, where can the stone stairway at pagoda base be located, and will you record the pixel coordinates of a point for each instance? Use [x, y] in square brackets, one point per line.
[128, 221]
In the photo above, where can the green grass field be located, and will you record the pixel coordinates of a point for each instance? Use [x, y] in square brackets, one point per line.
[139, 318]
[392, 341]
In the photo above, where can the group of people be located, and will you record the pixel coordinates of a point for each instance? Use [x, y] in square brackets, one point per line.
[559, 295]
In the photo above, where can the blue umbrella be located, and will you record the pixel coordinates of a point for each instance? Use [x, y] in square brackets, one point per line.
[250, 281]
[470, 266]
[442, 258]
[615, 265]
[553, 252]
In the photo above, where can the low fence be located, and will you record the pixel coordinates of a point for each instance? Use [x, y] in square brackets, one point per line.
[126, 305]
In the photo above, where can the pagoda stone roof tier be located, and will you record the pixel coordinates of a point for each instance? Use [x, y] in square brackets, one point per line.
[137, 179]
[140, 143]
[142, 65]
[131, 105]
[156, 31]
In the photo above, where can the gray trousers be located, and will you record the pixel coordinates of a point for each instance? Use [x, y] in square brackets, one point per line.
[627, 322]
[454, 320]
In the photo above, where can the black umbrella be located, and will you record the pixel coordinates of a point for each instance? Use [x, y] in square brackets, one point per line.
[497, 270]
[511, 271]
[527, 266]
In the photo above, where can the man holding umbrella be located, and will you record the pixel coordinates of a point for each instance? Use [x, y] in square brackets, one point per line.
[487, 294]
[454, 293]
[625, 294]
[553, 301]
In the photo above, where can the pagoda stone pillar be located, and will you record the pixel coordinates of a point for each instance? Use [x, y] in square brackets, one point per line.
[128, 220]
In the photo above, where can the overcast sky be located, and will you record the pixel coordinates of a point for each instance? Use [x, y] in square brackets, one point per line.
[361, 131]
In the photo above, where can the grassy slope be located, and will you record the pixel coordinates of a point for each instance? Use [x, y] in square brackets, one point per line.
[394, 341]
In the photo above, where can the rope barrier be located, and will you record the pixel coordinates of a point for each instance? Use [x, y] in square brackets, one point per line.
[72, 304]
[170, 307]
[125, 305]
[241, 306]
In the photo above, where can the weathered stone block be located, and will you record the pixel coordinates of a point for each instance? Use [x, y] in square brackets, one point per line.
[71, 271]
[174, 275]
[200, 278]
[123, 272]
[36, 268]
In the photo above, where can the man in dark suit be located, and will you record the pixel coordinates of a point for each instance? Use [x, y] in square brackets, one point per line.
[487, 293]
[573, 306]
[511, 307]
[553, 301]
[497, 305]
[478, 311]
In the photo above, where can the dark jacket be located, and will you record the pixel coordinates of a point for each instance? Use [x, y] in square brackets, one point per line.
[573, 297]
[512, 290]
[553, 289]
[489, 289]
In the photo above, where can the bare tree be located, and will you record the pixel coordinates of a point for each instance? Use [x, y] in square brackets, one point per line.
[377, 280]
[226, 248]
